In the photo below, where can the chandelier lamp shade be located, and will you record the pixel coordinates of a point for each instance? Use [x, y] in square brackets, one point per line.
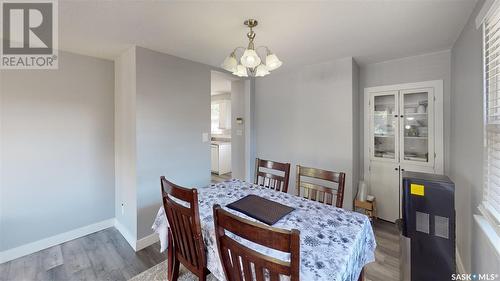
[250, 62]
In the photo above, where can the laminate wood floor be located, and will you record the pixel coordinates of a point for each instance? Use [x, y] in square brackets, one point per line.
[106, 255]
[386, 265]
[220, 178]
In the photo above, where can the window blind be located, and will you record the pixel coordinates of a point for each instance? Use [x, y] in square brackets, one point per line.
[491, 45]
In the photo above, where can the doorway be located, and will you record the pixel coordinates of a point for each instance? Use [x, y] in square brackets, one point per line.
[231, 127]
[220, 125]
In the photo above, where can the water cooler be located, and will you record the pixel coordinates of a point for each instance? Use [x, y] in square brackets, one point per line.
[427, 227]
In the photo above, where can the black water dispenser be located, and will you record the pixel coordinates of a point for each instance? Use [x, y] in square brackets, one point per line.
[427, 227]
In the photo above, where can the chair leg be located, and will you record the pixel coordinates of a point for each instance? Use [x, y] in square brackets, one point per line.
[175, 272]
[171, 255]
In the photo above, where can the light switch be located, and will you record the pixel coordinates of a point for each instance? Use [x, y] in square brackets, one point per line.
[239, 132]
[204, 137]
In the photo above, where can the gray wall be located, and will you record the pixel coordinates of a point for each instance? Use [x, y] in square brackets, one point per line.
[305, 116]
[57, 149]
[125, 145]
[433, 66]
[173, 110]
[467, 132]
[250, 131]
[238, 141]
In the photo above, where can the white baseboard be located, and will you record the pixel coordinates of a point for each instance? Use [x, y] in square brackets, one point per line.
[126, 234]
[460, 264]
[39, 245]
[42, 244]
[147, 241]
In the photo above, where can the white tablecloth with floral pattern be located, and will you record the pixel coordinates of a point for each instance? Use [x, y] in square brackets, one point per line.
[335, 244]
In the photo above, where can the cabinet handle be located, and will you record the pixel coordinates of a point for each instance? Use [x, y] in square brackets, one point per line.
[395, 115]
[395, 169]
[402, 170]
[401, 116]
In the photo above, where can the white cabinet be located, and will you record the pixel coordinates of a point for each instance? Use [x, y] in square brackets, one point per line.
[215, 158]
[384, 186]
[403, 131]
[402, 126]
[417, 127]
[221, 158]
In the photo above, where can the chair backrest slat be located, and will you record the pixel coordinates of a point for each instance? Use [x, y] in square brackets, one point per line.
[270, 180]
[184, 224]
[318, 192]
[238, 260]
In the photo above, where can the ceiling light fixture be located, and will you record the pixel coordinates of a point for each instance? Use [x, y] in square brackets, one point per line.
[251, 63]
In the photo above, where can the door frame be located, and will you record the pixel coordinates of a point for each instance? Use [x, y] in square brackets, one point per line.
[438, 120]
[248, 122]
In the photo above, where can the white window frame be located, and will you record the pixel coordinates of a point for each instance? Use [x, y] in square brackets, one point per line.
[489, 212]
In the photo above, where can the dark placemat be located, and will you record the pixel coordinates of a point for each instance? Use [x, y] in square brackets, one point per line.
[262, 209]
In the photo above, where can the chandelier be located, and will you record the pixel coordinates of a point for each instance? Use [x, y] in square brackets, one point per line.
[250, 61]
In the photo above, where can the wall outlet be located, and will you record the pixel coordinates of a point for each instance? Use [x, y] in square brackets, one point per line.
[123, 208]
[204, 137]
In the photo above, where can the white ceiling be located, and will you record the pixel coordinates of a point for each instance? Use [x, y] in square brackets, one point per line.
[299, 32]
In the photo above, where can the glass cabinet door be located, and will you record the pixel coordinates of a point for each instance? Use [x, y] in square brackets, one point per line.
[416, 113]
[384, 125]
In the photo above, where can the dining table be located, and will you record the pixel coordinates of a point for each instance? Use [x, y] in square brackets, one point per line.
[335, 244]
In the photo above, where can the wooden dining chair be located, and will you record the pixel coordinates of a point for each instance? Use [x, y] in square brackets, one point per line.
[242, 263]
[315, 191]
[185, 241]
[269, 179]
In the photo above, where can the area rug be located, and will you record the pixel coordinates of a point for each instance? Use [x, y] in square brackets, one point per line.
[159, 273]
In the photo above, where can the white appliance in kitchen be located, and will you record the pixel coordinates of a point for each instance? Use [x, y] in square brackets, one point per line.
[221, 157]
[403, 132]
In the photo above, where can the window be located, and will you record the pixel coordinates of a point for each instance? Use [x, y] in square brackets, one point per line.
[221, 116]
[215, 106]
[491, 51]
